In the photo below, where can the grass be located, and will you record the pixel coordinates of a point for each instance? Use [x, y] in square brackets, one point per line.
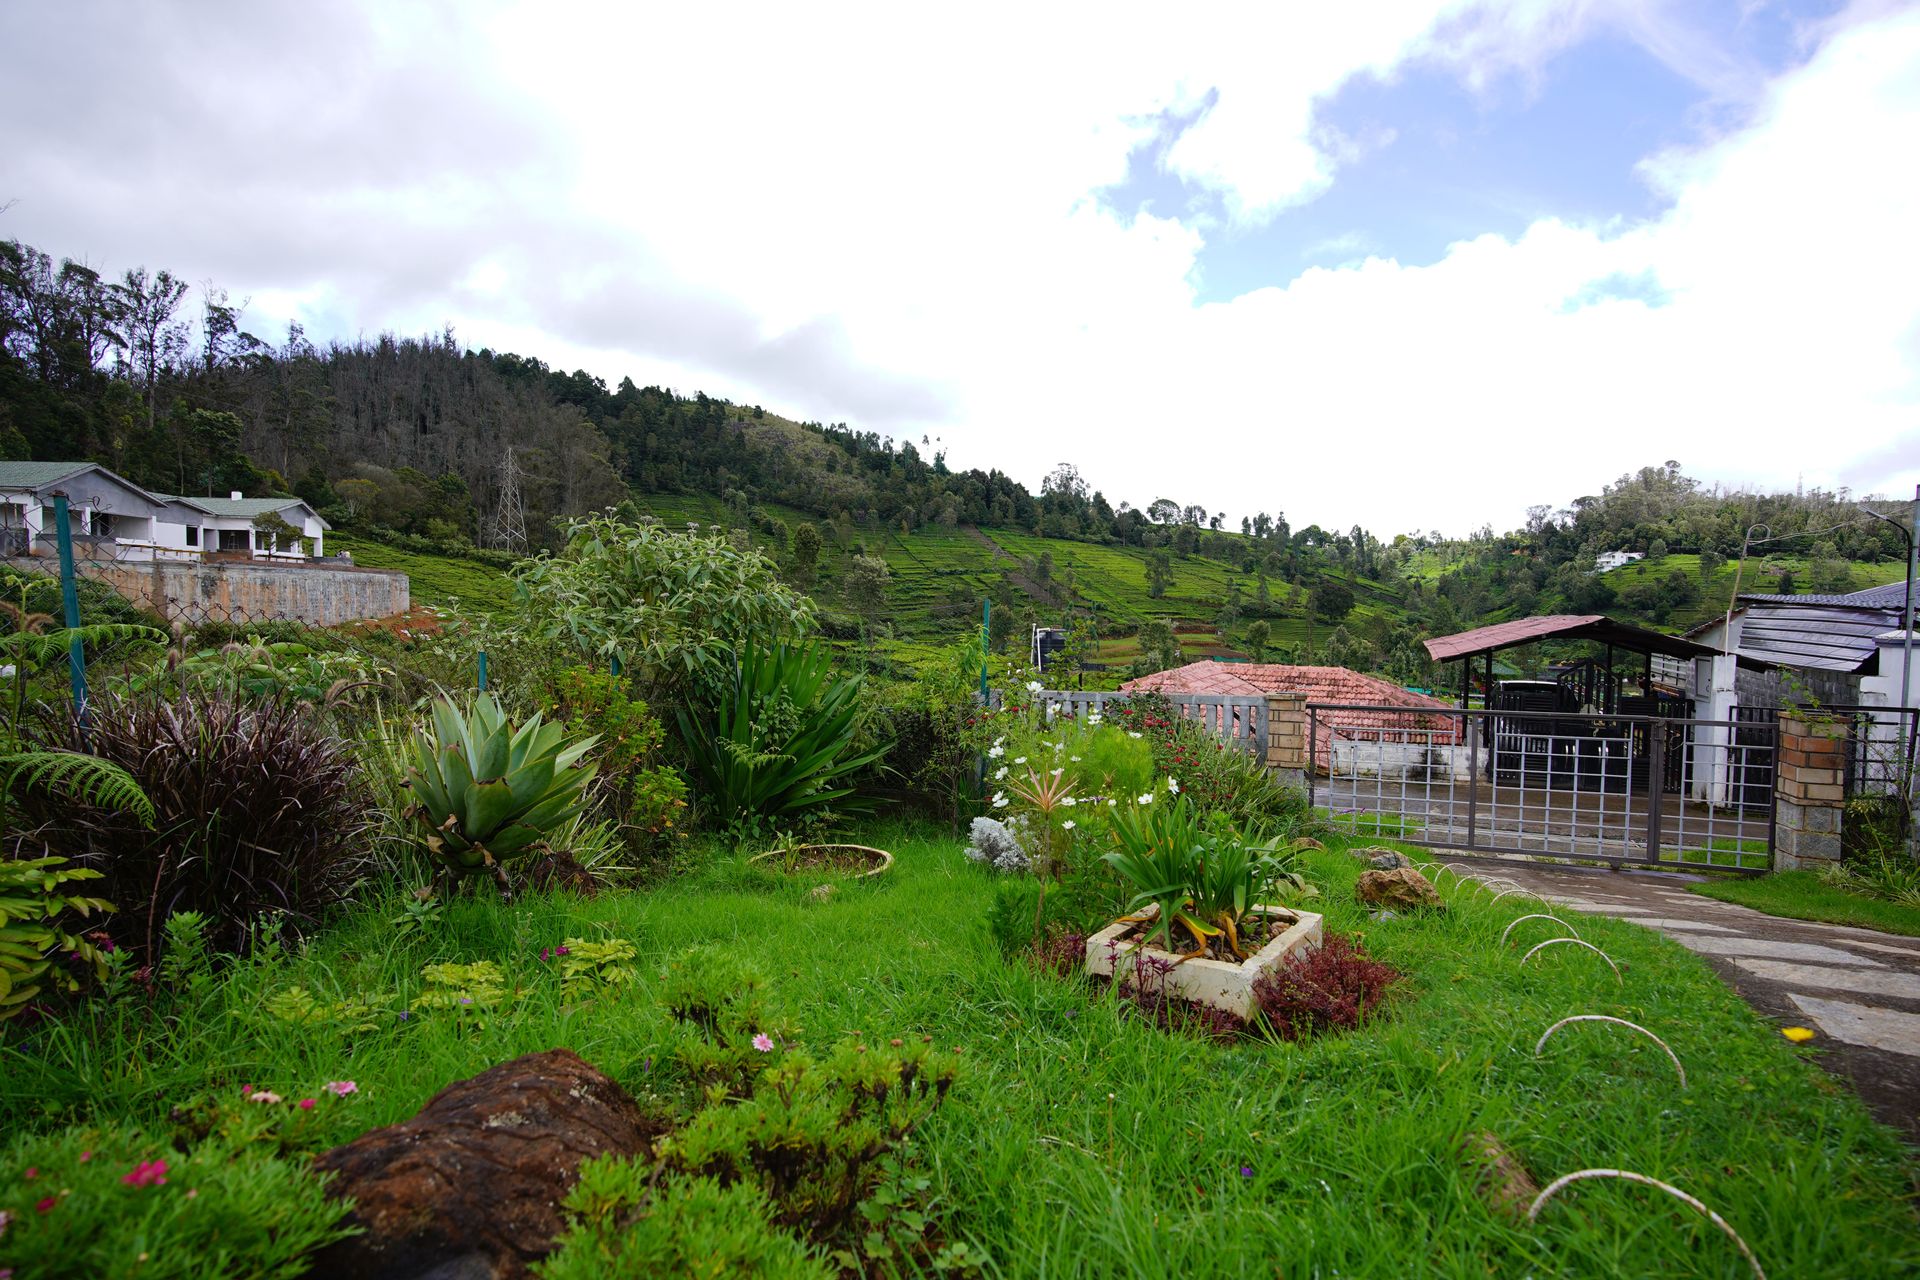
[1081, 1141]
[1803, 895]
[441, 581]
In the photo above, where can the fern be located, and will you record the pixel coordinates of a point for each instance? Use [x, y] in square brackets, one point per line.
[69, 775]
[35, 649]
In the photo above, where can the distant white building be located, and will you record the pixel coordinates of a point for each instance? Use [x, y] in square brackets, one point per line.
[114, 519]
[1610, 560]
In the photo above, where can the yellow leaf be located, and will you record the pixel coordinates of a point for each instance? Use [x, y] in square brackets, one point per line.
[1799, 1035]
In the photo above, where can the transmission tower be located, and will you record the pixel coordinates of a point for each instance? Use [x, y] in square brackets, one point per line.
[510, 522]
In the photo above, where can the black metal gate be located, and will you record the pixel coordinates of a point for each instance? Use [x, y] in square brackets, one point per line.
[1628, 789]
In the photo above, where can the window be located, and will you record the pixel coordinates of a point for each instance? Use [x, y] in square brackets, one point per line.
[193, 535]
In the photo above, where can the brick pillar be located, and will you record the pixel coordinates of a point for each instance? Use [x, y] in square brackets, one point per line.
[1808, 790]
[1287, 737]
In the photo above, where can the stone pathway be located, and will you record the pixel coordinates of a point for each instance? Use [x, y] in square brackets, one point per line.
[1858, 988]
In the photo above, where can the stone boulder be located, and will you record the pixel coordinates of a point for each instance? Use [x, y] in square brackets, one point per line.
[1400, 888]
[470, 1187]
[1384, 859]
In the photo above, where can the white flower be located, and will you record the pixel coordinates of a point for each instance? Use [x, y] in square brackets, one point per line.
[1147, 798]
[996, 752]
[1001, 741]
[1068, 801]
[1111, 803]
[1067, 825]
[1034, 686]
[1093, 717]
[1019, 759]
[999, 799]
[1075, 759]
[1058, 772]
[1132, 734]
[1173, 786]
[1000, 774]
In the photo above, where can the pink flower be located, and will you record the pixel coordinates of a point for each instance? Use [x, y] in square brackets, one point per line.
[193, 1193]
[46, 1205]
[561, 951]
[148, 1173]
[306, 1104]
[85, 1156]
[32, 1173]
[263, 1097]
[341, 1088]
[763, 1042]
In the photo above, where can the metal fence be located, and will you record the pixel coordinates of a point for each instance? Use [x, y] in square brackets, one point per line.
[1238, 720]
[1612, 789]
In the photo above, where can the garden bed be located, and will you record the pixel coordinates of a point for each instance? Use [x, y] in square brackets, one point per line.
[856, 860]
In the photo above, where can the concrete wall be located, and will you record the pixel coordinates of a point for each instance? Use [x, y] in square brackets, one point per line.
[227, 591]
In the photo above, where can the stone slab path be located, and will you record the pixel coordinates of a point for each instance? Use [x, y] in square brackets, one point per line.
[1858, 988]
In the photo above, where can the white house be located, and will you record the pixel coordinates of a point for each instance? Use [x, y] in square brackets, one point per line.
[114, 519]
[1607, 561]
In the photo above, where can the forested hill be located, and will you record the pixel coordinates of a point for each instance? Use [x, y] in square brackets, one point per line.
[420, 443]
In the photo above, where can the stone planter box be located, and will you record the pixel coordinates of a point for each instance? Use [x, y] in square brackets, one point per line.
[1202, 980]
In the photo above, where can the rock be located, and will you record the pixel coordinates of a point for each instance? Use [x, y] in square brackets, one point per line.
[470, 1187]
[1379, 916]
[1504, 1182]
[1384, 859]
[820, 892]
[1402, 888]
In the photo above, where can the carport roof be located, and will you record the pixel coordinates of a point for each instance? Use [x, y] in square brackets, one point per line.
[1562, 626]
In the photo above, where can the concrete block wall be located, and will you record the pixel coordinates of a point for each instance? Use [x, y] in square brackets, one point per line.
[1809, 788]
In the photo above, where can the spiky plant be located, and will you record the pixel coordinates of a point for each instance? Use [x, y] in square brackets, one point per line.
[256, 809]
[488, 792]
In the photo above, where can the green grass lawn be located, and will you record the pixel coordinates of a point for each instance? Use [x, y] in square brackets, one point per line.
[1081, 1141]
[441, 581]
[1803, 895]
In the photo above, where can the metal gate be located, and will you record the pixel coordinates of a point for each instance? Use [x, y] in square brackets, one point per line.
[1624, 789]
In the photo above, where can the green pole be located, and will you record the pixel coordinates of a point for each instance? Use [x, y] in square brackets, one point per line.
[986, 642]
[613, 665]
[70, 603]
[483, 671]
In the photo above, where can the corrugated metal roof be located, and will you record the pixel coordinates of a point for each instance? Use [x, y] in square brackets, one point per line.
[1829, 638]
[1890, 596]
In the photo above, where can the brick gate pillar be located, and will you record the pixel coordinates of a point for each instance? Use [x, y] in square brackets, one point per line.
[1808, 790]
[1287, 737]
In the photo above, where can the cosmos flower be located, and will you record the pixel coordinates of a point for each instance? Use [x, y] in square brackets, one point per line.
[763, 1042]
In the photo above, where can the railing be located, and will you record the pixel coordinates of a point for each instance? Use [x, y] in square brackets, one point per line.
[1237, 719]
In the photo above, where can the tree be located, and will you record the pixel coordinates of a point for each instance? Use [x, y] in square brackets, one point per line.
[1259, 635]
[1163, 511]
[1331, 599]
[1710, 562]
[1657, 549]
[1159, 647]
[805, 557]
[865, 586]
[1159, 573]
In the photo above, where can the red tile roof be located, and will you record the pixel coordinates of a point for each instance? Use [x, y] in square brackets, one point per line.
[1323, 685]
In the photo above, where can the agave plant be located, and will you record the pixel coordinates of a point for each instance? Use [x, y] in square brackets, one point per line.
[490, 792]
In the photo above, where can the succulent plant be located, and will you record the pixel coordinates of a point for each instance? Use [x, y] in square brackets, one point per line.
[489, 792]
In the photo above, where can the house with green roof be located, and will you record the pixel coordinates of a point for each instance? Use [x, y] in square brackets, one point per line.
[111, 518]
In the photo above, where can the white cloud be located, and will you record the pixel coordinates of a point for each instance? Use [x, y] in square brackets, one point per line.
[893, 218]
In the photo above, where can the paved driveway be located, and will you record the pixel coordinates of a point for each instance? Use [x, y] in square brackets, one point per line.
[1860, 989]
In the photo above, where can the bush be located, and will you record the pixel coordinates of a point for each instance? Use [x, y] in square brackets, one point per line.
[773, 741]
[1331, 988]
[256, 810]
[992, 844]
[626, 1221]
[119, 1203]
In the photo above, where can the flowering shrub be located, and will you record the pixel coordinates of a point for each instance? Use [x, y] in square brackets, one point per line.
[115, 1202]
[1332, 987]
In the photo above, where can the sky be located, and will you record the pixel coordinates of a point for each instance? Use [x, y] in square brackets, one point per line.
[1410, 265]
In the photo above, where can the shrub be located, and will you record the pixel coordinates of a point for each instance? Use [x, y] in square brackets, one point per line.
[673, 607]
[773, 740]
[256, 810]
[1331, 988]
[118, 1203]
[993, 844]
[628, 1221]
[34, 922]
[1145, 990]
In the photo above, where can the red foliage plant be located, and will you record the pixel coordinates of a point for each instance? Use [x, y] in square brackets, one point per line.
[1332, 987]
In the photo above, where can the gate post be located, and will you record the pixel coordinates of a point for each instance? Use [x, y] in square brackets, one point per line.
[1287, 737]
[1808, 790]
